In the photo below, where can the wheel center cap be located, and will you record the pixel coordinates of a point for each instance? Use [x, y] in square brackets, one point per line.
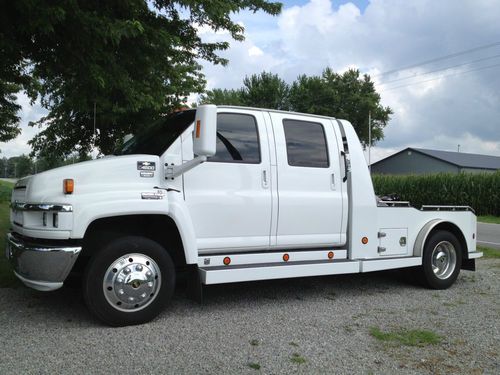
[135, 284]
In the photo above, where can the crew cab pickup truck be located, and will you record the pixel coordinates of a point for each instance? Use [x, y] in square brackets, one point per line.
[230, 194]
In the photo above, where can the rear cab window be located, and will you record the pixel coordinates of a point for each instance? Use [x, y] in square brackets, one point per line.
[306, 144]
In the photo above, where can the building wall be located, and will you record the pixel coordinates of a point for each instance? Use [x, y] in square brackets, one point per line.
[412, 162]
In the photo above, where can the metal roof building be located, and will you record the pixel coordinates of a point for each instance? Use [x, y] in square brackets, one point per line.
[421, 161]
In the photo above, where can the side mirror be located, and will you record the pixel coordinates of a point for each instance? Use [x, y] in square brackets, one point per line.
[127, 138]
[205, 130]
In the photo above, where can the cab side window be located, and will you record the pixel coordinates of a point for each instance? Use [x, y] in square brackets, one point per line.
[305, 144]
[237, 139]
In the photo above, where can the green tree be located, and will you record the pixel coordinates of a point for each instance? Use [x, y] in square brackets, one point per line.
[345, 96]
[130, 60]
[265, 90]
[222, 97]
[9, 109]
[20, 166]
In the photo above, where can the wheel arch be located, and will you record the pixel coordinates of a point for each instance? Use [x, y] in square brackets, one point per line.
[162, 229]
[435, 225]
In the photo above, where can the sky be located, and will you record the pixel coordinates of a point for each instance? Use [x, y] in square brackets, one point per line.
[452, 100]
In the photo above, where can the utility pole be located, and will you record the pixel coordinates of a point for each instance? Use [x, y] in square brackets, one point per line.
[369, 140]
[458, 148]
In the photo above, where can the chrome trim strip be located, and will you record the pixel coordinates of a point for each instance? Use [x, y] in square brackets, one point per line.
[19, 206]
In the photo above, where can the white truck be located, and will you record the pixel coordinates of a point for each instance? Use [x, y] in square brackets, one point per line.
[230, 194]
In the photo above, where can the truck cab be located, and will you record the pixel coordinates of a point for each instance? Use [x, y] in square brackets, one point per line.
[232, 194]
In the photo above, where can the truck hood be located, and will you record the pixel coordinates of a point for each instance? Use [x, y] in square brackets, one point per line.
[110, 174]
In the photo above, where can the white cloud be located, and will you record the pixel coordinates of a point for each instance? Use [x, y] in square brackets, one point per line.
[255, 51]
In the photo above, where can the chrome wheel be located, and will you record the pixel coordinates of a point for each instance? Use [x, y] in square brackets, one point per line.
[132, 282]
[444, 260]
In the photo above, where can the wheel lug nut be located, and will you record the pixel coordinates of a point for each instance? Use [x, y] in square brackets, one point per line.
[150, 284]
[120, 280]
[131, 299]
[120, 291]
[149, 274]
[143, 295]
[138, 268]
[126, 271]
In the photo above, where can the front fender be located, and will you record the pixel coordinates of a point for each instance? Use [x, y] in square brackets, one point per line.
[130, 203]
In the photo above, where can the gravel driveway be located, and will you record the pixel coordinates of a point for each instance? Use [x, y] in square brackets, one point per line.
[311, 325]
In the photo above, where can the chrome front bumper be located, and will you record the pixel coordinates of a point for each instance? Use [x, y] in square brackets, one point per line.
[40, 266]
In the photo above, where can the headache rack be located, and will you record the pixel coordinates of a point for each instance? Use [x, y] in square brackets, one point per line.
[446, 208]
[382, 203]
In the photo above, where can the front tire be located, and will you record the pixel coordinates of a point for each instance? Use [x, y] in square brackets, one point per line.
[129, 281]
[441, 261]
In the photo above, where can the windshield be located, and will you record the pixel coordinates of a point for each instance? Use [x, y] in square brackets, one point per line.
[157, 137]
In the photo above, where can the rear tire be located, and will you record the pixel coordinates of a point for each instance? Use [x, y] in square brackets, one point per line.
[129, 281]
[441, 261]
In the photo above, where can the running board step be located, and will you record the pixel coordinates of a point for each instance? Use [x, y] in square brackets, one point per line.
[233, 274]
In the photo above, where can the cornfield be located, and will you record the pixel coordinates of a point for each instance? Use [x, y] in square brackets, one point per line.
[480, 191]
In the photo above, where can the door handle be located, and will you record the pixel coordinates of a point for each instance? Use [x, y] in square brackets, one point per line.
[347, 164]
[332, 181]
[265, 182]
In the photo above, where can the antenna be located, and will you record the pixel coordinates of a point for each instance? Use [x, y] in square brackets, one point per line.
[369, 140]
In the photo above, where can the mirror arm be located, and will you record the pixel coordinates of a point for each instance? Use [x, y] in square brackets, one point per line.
[173, 171]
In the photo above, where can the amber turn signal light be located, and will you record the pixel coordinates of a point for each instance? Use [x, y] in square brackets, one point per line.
[68, 186]
[364, 240]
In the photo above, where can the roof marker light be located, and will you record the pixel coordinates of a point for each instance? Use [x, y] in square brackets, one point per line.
[286, 257]
[226, 261]
[364, 240]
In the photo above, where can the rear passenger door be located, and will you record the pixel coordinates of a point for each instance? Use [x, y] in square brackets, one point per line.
[311, 204]
[229, 196]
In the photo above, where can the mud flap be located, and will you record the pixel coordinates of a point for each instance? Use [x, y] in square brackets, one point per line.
[194, 285]
[469, 264]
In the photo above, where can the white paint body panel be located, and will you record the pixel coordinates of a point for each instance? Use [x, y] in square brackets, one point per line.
[310, 200]
[229, 206]
[277, 272]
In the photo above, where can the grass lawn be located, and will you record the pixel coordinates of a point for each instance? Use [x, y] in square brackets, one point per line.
[489, 219]
[489, 253]
[7, 278]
